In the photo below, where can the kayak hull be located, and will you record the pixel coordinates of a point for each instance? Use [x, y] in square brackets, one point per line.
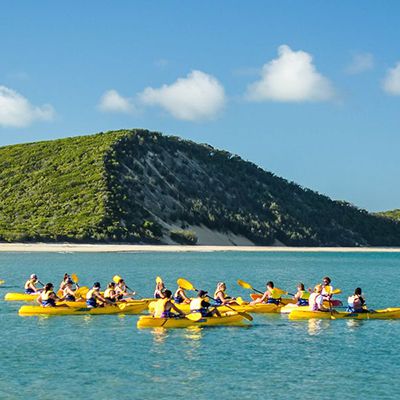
[285, 301]
[146, 321]
[64, 309]
[256, 308]
[387, 313]
[20, 297]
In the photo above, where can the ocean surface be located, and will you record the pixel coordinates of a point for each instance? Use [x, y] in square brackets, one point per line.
[107, 357]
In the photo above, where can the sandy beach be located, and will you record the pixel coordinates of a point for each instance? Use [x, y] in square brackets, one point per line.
[112, 248]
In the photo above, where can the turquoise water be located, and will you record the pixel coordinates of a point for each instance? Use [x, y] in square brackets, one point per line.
[107, 357]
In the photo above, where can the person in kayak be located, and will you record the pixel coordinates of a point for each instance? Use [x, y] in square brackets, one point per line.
[356, 302]
[163, 307]
[180, 296]
[159, 291]
[220, 296]
[327, 288]
[68, 292]
[110, 293]
[302, 295]
[94, 298]
[64, 281]
[47, 297]
[199, 304]
[121, 290]
[30, 285]
[316, 300]
[271, 296]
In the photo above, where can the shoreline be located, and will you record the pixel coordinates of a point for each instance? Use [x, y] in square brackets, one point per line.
[118, 248]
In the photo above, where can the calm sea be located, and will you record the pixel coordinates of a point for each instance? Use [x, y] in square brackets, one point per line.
[107, 357]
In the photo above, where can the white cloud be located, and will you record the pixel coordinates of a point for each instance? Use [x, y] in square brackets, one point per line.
[17, 111]
[391, 83]
[112, 101]
[291, 77]
[361, 62]
[195, 97]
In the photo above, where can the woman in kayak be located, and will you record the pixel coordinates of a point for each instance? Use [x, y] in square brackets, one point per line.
[164, 306]
[199, 304]
[271, 296]
[220, 296]
[180, 296]
[316, 300]
[159, 292]
[356, 302]
[122, 290]
[47, 298]
[30, 285]
[94, 298]
[110, 293]
[68, 292]
[301, 297]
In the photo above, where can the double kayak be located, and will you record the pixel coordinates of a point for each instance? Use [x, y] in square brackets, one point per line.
[21, 296]
[65, 309]
[261, 308]
[232, 319]
[305, 313]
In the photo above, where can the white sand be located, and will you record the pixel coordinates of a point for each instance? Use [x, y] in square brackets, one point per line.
[105, 248]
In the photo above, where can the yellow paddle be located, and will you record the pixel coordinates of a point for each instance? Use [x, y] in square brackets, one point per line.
[75, 278]
[185, 284]
[159, 280]
[246, 285]
[81, 292]
[2, 281]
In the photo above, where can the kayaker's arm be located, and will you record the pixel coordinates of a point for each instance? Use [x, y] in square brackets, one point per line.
[177, 309]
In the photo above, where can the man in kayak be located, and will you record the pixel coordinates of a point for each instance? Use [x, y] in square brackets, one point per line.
[316, 300]
[199, 304]
[163, 307]
[30, 285]
[271, 296]
[94, 298]
[327, 288]
[220, 296]
[356, 302]
[47, 297]
[301, 297]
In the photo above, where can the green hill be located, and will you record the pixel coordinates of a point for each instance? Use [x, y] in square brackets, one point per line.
[393, 214]
[140, 186]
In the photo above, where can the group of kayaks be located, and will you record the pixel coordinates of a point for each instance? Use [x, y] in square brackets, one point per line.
[181, 311]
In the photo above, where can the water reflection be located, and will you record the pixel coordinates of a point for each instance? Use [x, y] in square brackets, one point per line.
[159, 335]
[316, 326]
[354, 324]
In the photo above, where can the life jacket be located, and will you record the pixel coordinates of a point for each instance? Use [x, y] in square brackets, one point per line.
[89, 294]
[195, 304]
[30, 282]
[178, 297]
[46, 300]
[274, 295]
[303, 300]
[159, 308]
[327, 290]
[218, 300]
[355, 303]
[109, 293]
[68, 296]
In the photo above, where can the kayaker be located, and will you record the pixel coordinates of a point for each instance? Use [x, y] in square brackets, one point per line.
[356, 302]
[302, 295]
[180, 296]
[94, 298]
[316, 300]
[122, 290]
[220, 296]
[271, 296]
[63, 283]
[110, 293]
[199, 304]
[327, 288]
[30, 285]
[47, 298]
[68, 292]
[163, 307]
[159, 292]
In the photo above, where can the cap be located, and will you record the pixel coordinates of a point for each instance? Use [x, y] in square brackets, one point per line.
[33, 276]
[96, 284]
[202, 293]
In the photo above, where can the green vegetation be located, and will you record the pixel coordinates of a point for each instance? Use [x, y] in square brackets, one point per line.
[140, 186]
[183, 237]
[394, 214]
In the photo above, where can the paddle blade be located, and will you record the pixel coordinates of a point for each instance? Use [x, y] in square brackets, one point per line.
[244, 284]
[116, 278]
[159, 280]
[185, 284]
[245, 315]
[194, 316]
[121, 306]
[240, 300]
[82, 291]
[75, 277]
[336, 291]
[60, 293]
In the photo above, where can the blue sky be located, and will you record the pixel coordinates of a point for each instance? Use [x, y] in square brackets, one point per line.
[308, 90]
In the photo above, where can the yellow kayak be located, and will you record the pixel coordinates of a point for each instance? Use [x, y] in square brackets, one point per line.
[260, 308]
[121, 308]
[305, 313]
[21, 297]
[147, 321]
